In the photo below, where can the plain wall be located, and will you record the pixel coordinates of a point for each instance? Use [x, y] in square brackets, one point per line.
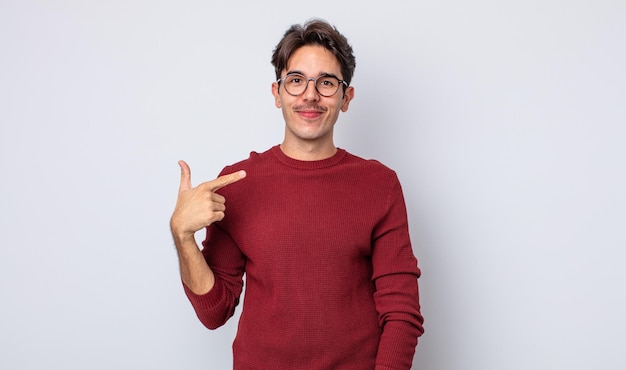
[504, 121]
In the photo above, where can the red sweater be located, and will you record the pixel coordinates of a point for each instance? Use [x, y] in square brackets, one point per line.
[331, 279]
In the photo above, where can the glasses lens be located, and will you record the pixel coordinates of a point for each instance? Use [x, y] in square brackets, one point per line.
[295, 84]
[327, 86]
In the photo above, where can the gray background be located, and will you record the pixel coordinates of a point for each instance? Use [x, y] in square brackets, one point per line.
[503, 119]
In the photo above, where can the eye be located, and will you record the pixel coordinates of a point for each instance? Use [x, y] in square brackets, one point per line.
[294, 80]
[328, 82]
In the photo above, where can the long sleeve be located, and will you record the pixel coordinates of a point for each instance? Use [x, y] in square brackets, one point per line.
[227, 262]
[396, 296]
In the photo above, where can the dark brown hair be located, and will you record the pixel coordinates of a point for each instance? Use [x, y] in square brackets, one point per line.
[315, 32]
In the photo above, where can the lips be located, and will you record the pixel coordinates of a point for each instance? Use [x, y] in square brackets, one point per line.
[310, 112]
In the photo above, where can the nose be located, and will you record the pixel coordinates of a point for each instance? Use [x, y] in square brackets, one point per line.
[310, 93]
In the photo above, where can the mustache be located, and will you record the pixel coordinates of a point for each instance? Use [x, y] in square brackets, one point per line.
[305, 107]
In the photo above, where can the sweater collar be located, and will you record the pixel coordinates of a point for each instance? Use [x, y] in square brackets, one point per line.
[308, 165]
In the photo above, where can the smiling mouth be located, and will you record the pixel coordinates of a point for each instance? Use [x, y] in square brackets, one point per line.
[309, 111]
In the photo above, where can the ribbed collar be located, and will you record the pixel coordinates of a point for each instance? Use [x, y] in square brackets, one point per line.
[308, 165]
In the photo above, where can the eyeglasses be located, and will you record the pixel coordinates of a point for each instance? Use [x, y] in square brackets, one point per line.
[326, 85]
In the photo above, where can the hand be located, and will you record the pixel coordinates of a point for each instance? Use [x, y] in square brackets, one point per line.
[197, 208]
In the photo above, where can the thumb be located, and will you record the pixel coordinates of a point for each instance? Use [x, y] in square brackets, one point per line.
[185, 176]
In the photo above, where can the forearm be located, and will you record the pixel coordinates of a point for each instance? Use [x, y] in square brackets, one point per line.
[212, 288]
[194, 270]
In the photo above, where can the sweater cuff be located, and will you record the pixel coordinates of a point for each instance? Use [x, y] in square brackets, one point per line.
[397, 346]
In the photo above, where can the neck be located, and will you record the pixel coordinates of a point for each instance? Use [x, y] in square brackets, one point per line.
[304, 152]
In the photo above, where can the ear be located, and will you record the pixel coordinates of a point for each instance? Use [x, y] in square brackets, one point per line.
[276, 94]
[347, 97]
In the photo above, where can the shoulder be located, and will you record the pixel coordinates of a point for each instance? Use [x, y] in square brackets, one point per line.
[370, 168]
[253, 160]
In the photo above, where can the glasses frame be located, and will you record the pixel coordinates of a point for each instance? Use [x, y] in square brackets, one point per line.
[307, 79]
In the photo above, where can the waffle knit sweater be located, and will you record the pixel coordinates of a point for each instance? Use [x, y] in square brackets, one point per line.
[331, 279]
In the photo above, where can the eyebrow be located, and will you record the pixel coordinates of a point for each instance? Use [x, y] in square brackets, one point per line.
[323, 74]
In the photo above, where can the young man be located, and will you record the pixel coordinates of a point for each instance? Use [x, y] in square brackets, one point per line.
[321, 234]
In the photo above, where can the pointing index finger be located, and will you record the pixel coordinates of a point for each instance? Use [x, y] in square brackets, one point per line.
[224, 180]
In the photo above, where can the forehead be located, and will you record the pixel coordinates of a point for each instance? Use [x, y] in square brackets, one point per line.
[313, 60]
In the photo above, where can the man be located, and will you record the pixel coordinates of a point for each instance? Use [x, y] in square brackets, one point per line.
[322, 235]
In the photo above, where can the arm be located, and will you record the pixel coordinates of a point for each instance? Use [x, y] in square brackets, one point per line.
[395, 274]
[194, 271]
[197, 208]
